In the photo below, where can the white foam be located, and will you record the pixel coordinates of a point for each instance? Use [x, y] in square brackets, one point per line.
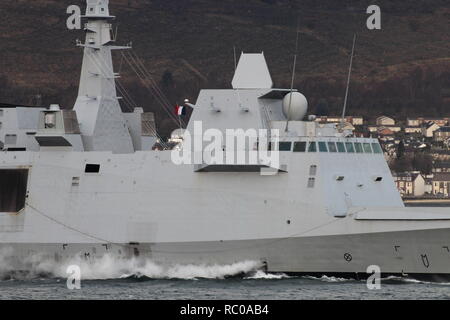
[411, 280]
[259, 274]
[327, 279]
[5, 260]
[111, 267]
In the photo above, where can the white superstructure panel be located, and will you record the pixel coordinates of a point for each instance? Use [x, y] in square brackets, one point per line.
[252, 72]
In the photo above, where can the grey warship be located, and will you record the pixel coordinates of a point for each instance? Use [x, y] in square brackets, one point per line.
[85, 182]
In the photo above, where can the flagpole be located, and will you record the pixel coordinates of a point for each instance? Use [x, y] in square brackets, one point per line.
[179, 118]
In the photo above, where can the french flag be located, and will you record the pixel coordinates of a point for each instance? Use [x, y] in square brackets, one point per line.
[180, 110]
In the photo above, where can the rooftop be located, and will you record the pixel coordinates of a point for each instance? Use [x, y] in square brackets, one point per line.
[412, 175]
[442, 165]
[443, 129]
[430, 124]
[442, 176]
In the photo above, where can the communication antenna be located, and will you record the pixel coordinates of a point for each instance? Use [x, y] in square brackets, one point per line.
[117, 31]
[293, 76]
[235, 61]
[348, 82]
[238, 96]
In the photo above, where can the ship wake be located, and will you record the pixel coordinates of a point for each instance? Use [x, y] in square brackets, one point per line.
[109, 267]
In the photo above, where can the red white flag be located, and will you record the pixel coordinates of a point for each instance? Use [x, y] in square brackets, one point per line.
[180, 111]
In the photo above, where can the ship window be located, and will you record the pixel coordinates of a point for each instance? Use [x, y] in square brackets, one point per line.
[92, 168]
[13, 189]
[299, 146]
[311, 182]
[1, 112]
[75, 181]
[376, 148]
[312, 147]
[50, 120]
[285, 146]
[350, 148]
[323, 147]
[332, 147]
[10, 139]
[340, 147]
[358, 147]
[367, 148]
[313, 170]
[17, 149]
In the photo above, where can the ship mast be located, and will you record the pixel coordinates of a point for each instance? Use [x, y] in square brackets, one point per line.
[293, 78]
[102, 124]
[348, 83]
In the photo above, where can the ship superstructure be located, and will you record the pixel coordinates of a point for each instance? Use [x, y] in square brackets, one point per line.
[85, 183]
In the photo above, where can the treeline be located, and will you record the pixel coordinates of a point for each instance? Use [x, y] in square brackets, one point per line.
[424, 92]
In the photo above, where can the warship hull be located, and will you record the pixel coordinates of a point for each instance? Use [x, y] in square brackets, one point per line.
[420, 253]
[155, 210]
[82, 183]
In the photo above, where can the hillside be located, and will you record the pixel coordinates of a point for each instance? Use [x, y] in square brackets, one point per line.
[403, 69]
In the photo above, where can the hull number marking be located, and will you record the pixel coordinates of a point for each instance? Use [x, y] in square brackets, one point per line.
[425, 260]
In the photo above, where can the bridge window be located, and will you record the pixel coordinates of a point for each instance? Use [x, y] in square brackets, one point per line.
[311, 182]
[312, 147]
[332, 147]
[367, 148]
[92, 168]
[358, 147]
[10, 139]
[323, 147]
[376, 148]
[340, 147]
[285, 146]
[299, 146]
[13, 189]
[313, 170]
[349, 147]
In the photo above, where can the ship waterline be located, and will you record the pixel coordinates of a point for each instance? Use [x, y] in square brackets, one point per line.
[85, 183]
[395, 253]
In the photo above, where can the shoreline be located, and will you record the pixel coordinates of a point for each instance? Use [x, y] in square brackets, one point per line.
[427, 200]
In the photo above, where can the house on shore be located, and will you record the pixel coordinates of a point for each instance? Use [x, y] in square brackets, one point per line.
[441, 184]
[410, 183]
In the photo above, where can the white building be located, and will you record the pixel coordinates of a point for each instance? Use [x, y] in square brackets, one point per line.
[413, 122]
[385, 121]
[410, 184]
[441, 184]
[429, 129]
[413, 129]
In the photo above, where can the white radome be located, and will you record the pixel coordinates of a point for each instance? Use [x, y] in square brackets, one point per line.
[298, 106]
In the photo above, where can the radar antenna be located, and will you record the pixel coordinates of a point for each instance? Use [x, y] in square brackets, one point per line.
[235, 61]
[348, 83]
[293, 76]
